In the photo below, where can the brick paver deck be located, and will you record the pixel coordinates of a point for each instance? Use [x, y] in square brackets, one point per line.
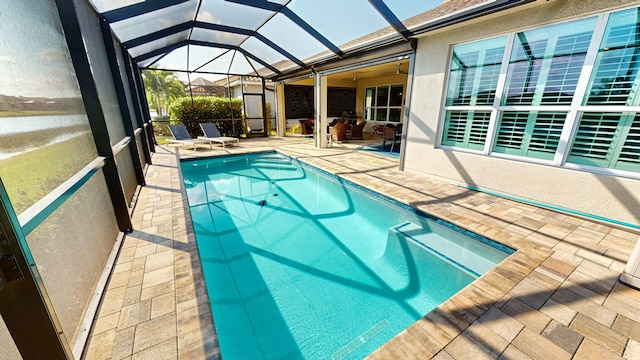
[557, 297]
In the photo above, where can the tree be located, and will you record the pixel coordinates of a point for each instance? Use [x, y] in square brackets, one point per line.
[162, 88]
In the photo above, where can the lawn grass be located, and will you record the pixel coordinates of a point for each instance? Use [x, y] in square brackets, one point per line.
[30, 176]
[16, 113]
[162, 140]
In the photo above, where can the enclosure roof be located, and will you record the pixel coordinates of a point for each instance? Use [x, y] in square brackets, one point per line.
[216, 38]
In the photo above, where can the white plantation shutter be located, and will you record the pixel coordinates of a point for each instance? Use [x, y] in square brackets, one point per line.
[592, 144]
[609, 140]
[531, 134]
[467, 129]
[629, 158]
[511, 132]
[546, 134]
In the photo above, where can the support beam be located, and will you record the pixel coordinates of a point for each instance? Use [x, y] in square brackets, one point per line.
[158, 35]
[231, 47]
[137, 105]
[142, 97]
[215, 27]
[125, 114]
[24, 304]
[275, 7]
[391, 18]
[234, 30]
[95, 113]
[162, 51]
[141, 8]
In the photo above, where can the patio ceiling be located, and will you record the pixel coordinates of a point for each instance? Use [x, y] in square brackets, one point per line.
[269, 38]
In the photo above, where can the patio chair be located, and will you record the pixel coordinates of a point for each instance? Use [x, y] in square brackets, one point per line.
[390, 134]
[356, 130]
[339, 132]
[306, 126]
[181, 136]
[212, 134]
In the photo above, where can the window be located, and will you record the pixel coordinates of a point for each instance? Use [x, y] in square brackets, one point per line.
[474, 72]
[614, 81]
[520, 95]
[612, 139]
[466, 129]
[383, 103]
[532, 134]
[546, 63]
[473, 80]
[609, 140]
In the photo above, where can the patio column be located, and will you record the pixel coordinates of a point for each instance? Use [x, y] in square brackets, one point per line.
[281, 119]
[320, 87]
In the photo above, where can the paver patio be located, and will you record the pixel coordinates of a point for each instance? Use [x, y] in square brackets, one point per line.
[557, 297]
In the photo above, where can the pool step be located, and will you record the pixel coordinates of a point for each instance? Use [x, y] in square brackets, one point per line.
[360, 340]
[459, 250]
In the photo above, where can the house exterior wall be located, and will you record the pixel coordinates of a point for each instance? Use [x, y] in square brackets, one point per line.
[612, 197]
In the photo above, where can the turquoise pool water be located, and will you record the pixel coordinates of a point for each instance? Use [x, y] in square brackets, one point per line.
[299, 265]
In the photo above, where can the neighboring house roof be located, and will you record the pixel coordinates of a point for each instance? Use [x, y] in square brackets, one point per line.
[235, 80]
[204, 86]
[199, 81]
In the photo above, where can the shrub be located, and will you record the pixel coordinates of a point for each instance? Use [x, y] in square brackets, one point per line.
[296, 129]
[209, 109]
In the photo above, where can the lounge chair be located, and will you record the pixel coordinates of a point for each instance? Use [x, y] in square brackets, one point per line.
[212, 134]
[181, 136]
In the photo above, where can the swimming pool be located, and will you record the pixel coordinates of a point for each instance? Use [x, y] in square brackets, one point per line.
[299, 264]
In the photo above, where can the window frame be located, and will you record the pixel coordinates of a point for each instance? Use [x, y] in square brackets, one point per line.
[574, 110]
[370, 112]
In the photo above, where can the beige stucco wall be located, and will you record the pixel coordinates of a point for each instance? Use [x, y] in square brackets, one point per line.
[607, 196]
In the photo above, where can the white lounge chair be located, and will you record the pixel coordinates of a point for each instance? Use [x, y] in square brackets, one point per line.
[212, 134]
[181, 136]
